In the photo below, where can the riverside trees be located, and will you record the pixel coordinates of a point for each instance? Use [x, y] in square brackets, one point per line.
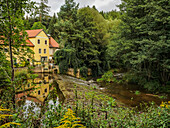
[143, 46]
[83, 32]
[135, 39]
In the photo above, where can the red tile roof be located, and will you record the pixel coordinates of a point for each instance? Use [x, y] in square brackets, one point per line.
[53, 43]
[33, 33]
[29, 43]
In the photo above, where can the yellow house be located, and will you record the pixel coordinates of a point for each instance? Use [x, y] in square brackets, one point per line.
[42, 44]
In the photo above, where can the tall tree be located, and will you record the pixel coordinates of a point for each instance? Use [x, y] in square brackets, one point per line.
[115, 48]
[51, 28]
[44, 10]
[95, 38]
[66, 24]
[12, 32]
[84, 32]
[68, 34]
[146, 45]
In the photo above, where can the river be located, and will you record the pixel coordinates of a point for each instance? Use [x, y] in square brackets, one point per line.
[44, 84]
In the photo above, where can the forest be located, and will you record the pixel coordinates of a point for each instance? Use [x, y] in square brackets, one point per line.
[134, 41]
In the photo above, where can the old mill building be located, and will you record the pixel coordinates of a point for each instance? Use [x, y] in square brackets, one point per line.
[42, 44]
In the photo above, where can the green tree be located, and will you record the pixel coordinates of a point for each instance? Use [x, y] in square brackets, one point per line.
[51, 28]
[43, 9]
[38, 25]
[12, 32]
[85, 31]
[66, 23]
[114, 48]
[43, 12]
[146, 45]
[95, 38]
[68, 35]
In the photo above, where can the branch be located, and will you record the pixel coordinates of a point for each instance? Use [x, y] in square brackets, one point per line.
[5, 72]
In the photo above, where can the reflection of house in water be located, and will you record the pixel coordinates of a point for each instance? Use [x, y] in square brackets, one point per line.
[37, 89]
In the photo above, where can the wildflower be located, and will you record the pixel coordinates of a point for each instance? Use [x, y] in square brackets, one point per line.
[165, 104]
[2, 116]
[70, 121]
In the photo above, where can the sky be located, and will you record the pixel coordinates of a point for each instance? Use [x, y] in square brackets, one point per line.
[101, 5]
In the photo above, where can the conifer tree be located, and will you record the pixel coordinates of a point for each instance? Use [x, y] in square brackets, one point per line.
[84, 32]
[68, 36]
[38, 25]
[43, 9]
[146, 46]
[51, 28]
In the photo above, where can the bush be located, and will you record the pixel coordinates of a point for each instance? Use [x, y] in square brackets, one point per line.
[63, 67]
[152, 86]
[84, 71]
[107, 77]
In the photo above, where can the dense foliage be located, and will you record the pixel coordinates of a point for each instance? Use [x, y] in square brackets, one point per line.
[93, 114]
[142, 45]
[135, 40]
[83, 30]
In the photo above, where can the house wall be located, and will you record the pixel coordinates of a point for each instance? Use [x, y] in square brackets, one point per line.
[52, 51]
[42, 37]
[20, 54]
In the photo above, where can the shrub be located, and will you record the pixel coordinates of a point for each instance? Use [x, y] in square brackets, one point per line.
[107, 77]
[84, 71]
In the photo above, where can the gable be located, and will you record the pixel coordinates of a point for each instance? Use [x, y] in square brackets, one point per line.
[42, 34]
[33, 33]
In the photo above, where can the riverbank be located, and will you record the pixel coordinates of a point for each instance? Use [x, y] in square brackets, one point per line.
[124, 95]
[98, 109]
[84, 91]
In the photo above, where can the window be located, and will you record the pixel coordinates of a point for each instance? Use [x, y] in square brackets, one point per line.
[40, 50]
[46, 42]
[38, 41]
[45, 82]
[45, 90]
[44, 50]
[38, 92]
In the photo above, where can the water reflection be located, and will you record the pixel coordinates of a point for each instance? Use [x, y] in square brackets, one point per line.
[36, 90]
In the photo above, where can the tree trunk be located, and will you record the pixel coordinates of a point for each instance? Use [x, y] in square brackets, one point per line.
[11, 57]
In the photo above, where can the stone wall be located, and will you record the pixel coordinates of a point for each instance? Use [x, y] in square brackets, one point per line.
[71, 72]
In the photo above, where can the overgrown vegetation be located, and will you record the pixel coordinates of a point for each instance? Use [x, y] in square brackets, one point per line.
[93, 112]
[135, 39]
